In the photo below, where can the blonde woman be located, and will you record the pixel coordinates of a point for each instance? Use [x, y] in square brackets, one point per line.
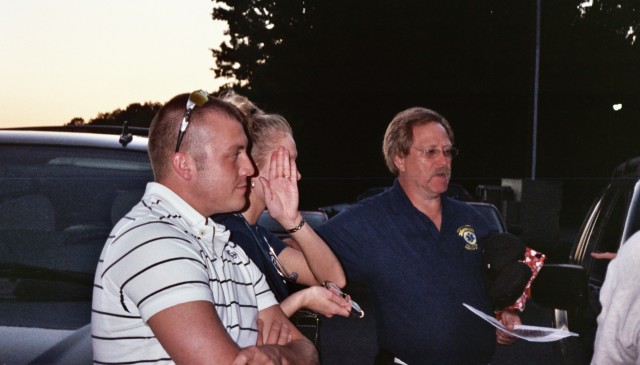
[275, 186]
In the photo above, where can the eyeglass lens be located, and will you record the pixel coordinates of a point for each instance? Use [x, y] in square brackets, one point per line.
[432, 153]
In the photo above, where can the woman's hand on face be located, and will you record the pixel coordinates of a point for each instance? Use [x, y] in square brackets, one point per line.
[281, 188]
[325, 302]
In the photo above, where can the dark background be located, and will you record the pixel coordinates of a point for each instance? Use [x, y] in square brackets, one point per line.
[340, 70]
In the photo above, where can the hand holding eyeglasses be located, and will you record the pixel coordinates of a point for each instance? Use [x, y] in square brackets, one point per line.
[356, 311]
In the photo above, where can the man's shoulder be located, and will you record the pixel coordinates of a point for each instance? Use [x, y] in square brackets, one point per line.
[145, 214]
[144, 223]
[368, 207]
[460, 207]
[367, 212]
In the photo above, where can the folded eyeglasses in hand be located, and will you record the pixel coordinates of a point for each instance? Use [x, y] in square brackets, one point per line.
[356, 311]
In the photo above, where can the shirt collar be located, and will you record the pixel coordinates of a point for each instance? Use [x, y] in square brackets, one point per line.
[404, 203]
[186, 211]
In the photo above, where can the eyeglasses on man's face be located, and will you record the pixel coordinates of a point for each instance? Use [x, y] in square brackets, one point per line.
[197, 98]
[433, 152]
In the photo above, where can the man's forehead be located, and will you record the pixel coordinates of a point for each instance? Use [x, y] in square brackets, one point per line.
[431, 131]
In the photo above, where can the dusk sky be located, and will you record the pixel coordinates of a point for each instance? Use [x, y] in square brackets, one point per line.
[77, 58]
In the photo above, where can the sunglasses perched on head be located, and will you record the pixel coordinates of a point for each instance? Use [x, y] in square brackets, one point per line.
[197, 98]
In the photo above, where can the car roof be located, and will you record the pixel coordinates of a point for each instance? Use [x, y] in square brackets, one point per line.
[78, 139]
[629, 168]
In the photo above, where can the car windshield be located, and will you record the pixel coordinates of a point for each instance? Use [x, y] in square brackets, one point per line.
[57, 207]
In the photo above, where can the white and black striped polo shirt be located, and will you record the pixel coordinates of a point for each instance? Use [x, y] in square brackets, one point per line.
[163, 253]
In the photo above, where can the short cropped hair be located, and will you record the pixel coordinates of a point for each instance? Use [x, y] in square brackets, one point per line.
[163, 132]
[398, 138]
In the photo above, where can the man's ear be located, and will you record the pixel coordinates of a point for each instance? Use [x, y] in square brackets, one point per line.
[399, 162]
[183, 165]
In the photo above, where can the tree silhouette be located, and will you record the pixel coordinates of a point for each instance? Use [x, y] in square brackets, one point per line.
[257, 29]
[621, 17]
[136, 114]
[76, 121]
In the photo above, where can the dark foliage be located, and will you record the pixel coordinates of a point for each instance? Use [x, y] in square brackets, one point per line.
[136, 114]
[621, 17]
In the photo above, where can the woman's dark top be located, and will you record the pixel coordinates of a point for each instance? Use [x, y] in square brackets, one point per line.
[255, 241]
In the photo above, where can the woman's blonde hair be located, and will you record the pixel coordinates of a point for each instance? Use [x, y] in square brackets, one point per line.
[262, 128]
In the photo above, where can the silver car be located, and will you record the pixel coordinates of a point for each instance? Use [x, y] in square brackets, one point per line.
[60, 194]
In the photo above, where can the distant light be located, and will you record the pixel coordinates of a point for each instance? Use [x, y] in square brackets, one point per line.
[617, 107]
[582, 8]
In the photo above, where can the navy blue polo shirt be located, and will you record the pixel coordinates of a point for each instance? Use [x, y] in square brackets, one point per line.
[254, 239]
[418, 276]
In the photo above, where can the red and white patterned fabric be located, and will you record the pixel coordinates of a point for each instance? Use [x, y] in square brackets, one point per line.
[534, 260]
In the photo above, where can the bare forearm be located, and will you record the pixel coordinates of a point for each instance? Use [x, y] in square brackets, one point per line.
[324, 265]
[292, 303]
[299, 351]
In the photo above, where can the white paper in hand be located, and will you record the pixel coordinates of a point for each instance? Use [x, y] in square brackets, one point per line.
[528, 333]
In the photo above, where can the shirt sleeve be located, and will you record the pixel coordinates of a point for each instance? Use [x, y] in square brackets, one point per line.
[160, 275]
[339, 235]
[264, 295]
[618, 334]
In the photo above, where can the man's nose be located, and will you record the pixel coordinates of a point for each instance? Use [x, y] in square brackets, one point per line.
[442, 159]
[247, 169]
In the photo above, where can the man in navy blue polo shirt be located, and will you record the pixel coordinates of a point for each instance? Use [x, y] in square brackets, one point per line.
[420, 252]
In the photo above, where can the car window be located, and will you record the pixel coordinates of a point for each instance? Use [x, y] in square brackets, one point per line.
[57, 207]
[603, 233]
[492, 215]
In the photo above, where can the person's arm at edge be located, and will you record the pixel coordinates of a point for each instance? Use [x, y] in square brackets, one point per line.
[604, 255]
[315, 262]
[616, 340]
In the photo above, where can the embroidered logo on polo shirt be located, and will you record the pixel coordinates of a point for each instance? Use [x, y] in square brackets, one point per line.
[232, 254]
[469, 235]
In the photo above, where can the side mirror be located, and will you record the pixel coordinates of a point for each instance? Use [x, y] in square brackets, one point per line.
[561, 286]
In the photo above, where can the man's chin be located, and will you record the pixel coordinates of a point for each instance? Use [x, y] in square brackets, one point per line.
[239, 203]
[440, 183]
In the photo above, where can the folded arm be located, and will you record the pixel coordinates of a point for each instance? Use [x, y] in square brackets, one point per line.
[192, 333]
